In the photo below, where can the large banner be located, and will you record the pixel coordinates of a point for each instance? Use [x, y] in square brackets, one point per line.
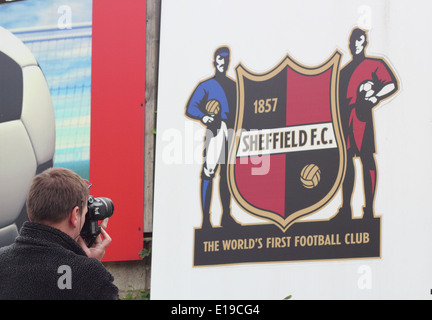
[285, 136]
[45, 50]
[67, 101]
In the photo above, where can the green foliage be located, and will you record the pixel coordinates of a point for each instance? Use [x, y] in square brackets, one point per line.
[146, 251]
[137, 295]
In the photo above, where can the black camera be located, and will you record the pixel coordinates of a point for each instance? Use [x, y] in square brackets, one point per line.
[98, 209]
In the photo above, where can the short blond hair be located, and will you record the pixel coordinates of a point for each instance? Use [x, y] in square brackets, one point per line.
[54, 193]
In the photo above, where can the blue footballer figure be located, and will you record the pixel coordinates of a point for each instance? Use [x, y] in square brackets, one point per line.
[213, 104]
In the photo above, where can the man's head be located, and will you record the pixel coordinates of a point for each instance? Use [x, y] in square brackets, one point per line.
[358, 42]
[221, 59]
[55, 194]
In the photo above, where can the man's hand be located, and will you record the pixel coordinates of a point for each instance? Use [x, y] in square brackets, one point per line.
[373, 99]
[97, 250]
[207, 119]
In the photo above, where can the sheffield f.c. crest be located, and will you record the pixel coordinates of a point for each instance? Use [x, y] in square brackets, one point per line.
[288, 160]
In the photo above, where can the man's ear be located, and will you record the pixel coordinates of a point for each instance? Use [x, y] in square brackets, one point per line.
[73, 216]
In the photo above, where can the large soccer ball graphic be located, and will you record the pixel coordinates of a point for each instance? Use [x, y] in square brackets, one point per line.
[27, 131]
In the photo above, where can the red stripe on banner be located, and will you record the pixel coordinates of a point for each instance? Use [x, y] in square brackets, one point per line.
[117, 120]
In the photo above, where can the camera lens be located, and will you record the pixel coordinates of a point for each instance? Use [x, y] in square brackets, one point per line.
[101, 207]
[109, 207]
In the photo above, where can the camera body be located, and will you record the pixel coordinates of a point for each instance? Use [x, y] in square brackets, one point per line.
[98, 209]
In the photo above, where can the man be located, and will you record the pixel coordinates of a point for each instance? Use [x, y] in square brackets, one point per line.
[49, 259]
[364, 83]
[221, 90]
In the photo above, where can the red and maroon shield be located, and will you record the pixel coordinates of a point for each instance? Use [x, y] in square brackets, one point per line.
[288, 156]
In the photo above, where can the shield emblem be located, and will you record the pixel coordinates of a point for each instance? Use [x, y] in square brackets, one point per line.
[287, 159]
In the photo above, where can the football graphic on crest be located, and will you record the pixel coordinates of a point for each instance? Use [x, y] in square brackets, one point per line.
[310, 176]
